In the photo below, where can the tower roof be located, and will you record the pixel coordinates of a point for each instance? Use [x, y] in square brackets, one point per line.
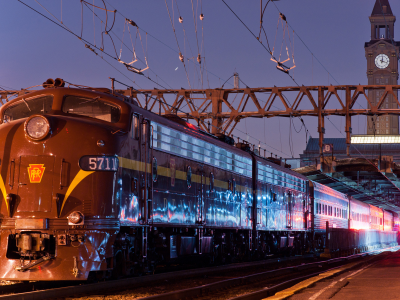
[379, 8]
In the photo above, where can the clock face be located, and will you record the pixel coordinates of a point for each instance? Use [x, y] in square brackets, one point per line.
[382, 61]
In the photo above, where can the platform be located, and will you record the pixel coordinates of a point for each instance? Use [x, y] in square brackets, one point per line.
[379, 280]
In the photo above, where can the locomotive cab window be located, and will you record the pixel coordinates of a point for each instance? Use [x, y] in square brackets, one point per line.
[92, 108]
[135, 127]
[28, 107]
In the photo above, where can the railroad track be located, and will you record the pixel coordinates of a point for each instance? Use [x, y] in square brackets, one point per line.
[42, 290]
[277, 280]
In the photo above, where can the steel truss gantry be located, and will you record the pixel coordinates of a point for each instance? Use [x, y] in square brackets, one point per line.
[224, 108]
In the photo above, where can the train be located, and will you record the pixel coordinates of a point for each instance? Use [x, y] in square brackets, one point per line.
[94, 186]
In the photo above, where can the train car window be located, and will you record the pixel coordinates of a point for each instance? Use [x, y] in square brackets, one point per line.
[28, 107]
[135, 127]
[320, 212]
[229, 185]
[155, 177]
[189, 177]
[186, 145]
[233, 186]
[211, 182]
[92, 108]
[380, 221]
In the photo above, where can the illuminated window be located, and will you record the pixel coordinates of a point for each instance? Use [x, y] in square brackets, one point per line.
[175, 142]
[370, 139]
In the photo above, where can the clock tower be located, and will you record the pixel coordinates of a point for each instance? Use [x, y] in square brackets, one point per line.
[382, 54]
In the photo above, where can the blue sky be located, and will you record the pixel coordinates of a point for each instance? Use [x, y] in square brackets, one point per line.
[34, 49]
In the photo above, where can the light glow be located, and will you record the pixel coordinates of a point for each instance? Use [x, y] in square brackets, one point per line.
[377, 139]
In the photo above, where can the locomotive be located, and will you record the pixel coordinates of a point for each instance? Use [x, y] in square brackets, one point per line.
[94, 185]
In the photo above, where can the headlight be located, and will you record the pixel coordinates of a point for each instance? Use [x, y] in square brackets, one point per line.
[37, 127]
[75, 218]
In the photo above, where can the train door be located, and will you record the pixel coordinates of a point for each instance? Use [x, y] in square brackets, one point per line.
[146, 180]
[200, 218]
[289, 210]
[146, 174]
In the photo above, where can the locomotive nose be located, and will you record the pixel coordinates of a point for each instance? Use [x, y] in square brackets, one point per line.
[37, 127]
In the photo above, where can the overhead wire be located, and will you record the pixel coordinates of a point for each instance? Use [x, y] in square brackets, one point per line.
[169, 47]
[83, 40]
[132, 51]
[186, 38]
[268, 50]
[176, 38]
[180, 110]
[203, 48]
[104, 52]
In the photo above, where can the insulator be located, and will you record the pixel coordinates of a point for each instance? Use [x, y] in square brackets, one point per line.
[199, 59]
[131, 22]
[180, 57]
[201, 17]
[180, 20]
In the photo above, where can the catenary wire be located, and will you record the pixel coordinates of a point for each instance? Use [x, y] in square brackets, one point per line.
[84, 40]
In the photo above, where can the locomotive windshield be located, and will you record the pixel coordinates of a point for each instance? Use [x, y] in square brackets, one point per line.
[27, 107]
[91, 107]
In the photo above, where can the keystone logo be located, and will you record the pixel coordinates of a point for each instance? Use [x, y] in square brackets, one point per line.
[35, 172]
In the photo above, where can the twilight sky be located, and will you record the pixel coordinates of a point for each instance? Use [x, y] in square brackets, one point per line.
[35, 49]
